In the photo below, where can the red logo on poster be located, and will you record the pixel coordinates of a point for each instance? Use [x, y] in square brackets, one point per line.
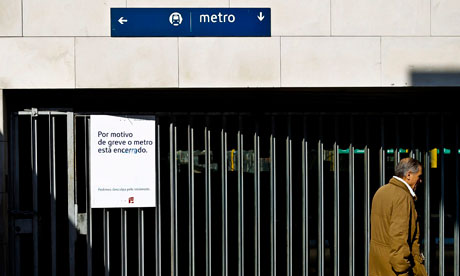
[131, 200]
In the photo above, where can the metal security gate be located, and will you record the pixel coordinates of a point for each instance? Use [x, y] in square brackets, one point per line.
[238, 194]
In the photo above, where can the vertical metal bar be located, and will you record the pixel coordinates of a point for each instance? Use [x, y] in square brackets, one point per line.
[320, 209]
[336, 211]
[106, 222]
[457, 208]
[208, 200]
[158, 269]
[427, 209]
[52, 171]
[140, 237]
[224, 201]
[366, 209]
[257, 201]
[397, 155]
[336, 168]
[289, 199]
[412, 132]
[240, 202]
[191, 194]
[273, 200]
[305, 247]
[351, 209]
[418, 155]
[124, 242]
[352, 224]
[14, 198]
[382, 152]
[441, 205]
[173, 196]
[71, 210]
[34, 161]
[89, 212]
[5, 190]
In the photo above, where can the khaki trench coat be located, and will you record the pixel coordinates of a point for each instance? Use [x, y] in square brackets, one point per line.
[394, 247]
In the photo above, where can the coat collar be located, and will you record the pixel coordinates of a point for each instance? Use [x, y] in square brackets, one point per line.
[407, 185]
[401, 185]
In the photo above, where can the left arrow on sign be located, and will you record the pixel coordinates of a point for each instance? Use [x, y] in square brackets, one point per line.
[122, 21]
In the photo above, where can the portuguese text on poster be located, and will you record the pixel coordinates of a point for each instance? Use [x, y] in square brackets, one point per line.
[122, 161]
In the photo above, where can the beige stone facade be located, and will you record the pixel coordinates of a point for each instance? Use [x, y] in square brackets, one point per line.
[56, 44]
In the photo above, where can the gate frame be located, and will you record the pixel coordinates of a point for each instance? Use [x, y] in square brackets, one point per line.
[72, 208]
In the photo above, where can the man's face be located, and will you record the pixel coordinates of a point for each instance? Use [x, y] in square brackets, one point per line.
[413, 179]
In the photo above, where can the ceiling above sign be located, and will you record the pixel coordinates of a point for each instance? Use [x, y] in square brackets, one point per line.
[177, 22]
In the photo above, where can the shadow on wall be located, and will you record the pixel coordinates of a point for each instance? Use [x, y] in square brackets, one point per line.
[435, 78]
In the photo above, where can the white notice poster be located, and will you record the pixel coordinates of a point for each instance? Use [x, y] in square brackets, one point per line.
[122, 161]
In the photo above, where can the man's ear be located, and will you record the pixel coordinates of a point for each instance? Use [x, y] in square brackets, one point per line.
[408, 174]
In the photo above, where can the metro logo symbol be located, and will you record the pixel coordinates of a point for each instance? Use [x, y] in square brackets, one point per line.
[175, 19]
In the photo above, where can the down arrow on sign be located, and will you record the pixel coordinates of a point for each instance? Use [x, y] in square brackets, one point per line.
[261, 16]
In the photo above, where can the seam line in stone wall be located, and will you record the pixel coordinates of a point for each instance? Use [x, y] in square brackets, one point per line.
[75, 61]
[370, 36]
[381, 67]
[431, 28]
[330, 17]
[293, 36]
[326, 36]
[22, 17]
[281, 82]
[54, 36]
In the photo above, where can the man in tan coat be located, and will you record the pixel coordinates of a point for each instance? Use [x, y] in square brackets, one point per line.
[394, 247]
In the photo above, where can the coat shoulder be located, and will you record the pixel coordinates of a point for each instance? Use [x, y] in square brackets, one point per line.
[392, 190]
[390, 193]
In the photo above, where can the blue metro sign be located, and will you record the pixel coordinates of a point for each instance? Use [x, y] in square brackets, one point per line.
[177, 22]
